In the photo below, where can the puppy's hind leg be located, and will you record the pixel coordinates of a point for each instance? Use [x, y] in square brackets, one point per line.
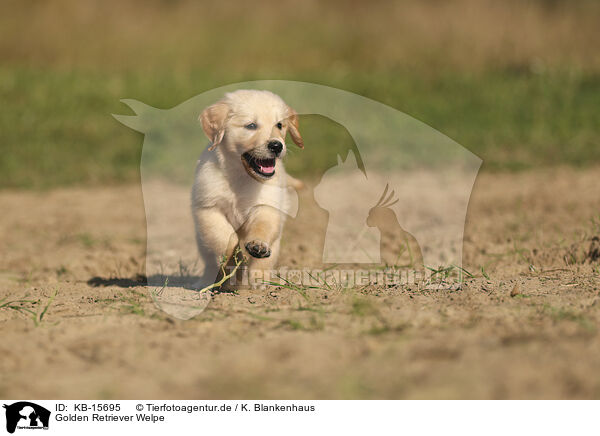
[216, 240]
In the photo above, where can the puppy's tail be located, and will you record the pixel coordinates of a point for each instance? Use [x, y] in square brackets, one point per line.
[295, 183]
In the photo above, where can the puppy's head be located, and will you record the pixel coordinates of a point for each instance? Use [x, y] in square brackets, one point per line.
[253, 126]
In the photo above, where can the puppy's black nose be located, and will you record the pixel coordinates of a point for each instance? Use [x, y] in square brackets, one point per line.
[275, 147]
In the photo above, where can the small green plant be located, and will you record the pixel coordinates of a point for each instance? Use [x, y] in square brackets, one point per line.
[86, 240]
[134, 308]
[443, 273]
[462, 271]
[260, 317]
[565, 314]
[238, 259]
[314, 323]
[19, 305]
[362, 307]
[321, 280]
[380, 330]
[293, 324]
[40, 317]
[300, 289]
[26, 307]
[484, 274]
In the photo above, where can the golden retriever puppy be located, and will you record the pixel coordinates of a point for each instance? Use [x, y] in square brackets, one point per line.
[240, 191]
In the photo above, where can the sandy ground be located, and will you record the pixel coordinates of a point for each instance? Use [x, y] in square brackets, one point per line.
[525, 326]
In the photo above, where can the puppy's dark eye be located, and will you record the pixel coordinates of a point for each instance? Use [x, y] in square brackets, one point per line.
[279, 126]
[251, 126]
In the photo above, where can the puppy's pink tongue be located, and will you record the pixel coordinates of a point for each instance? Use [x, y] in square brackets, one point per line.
[267, 169]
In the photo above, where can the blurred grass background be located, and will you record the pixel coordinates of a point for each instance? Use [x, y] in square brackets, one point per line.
[517, 82]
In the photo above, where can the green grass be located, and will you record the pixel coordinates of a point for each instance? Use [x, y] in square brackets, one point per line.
[57, 128]
[558, 314]
[27, 307]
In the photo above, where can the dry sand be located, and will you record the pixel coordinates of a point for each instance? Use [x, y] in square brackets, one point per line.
[527, 328]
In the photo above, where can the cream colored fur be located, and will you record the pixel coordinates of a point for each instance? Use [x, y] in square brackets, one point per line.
[232, 204]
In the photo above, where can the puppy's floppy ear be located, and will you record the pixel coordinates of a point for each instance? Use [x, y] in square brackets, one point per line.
[293, 126]
[213, 122]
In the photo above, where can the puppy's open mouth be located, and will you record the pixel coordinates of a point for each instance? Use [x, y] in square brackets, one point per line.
[262, 167]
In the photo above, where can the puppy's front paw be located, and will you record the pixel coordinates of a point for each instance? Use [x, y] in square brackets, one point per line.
[258, 249]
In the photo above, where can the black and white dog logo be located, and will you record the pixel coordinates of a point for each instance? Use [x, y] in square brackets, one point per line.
[26, 415]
